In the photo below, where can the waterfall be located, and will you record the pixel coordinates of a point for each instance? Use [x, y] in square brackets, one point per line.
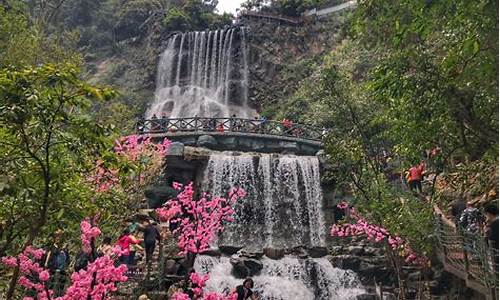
[283, 207]
[203, 74]
[287, 278]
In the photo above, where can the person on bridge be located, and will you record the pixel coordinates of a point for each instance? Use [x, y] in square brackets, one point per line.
[491, 225]
[415, 176]
[471, 219]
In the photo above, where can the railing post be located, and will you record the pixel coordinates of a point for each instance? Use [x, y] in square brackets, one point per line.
[466, 255]
[441, 233]
[196, 123]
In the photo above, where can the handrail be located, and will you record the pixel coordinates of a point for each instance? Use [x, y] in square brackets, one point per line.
[256, 126]
[292, 20]
[467, 256]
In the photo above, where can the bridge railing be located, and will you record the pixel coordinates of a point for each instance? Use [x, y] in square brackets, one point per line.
[256, 126]
[468, 256]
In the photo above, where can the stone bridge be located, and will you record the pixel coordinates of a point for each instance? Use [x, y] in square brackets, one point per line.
[237, 134]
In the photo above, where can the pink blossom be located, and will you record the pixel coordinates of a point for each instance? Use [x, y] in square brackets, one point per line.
[208, 213]
[180, 296]
[375, 234]
[44, 276]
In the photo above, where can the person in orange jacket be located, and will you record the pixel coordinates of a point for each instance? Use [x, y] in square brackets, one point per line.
[415, 176]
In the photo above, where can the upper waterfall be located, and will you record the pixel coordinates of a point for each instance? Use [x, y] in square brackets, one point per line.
[204, 74]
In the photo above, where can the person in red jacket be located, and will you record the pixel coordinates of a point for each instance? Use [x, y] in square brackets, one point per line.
[415, 175]
[124, 242]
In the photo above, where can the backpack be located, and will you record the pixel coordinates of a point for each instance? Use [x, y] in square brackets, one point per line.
[81, 262]
[59, 260]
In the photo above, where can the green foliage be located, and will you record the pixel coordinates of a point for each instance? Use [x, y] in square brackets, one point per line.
[439, 71]
[48, 148]
[194, 15]
[176, 19]
[292, 8]
[23, 43]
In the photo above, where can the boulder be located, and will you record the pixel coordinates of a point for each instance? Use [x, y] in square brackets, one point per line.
[229, 250]
[273, 253]
[207, 141]
[176, 149]
[356, 250]
[346, 262]
[239, 269]
[389, 296]
[158, 195]
[250, 254]
[212, 252]
[245, 267]
[317, 252]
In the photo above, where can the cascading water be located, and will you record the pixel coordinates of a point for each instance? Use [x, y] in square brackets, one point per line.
[283, 204]
[203, 74]
[287, 278]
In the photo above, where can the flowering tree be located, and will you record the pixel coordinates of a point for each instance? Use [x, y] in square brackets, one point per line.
[141, 160]
[374, 233]
[94, 282]
[198, 282]
[397, 248]
[198, 223]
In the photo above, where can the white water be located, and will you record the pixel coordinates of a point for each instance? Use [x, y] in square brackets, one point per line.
[287, 278]
[283, 207]
[204, 74]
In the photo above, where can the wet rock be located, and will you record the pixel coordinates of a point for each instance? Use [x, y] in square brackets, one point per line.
[389, 296]
[336, 250]
[239, 269]
[212, 252]
[273, 253]
[207, 141]
[254, 266]
[366, 297]
[245, 267]
[229, 250]
[250, 254]
[346, 262]
[316, 252]
[356, 250]
[371, 251]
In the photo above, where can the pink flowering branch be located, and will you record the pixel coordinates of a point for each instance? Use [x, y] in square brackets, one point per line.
[198, 282]
[94, 282]
[199, 221]
[136, 149]
[33, 276]
[375, 233]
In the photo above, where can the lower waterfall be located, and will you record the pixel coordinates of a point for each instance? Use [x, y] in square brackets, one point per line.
[283, 207]
[283, 210]
[286, 279]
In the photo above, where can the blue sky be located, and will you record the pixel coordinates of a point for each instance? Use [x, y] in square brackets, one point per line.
[229, 6]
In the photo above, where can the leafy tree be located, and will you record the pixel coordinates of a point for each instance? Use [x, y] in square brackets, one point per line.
[176, 19]
[49, 141]
[439, 70]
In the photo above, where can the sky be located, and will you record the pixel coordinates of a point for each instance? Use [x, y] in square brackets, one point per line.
[229, 6]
